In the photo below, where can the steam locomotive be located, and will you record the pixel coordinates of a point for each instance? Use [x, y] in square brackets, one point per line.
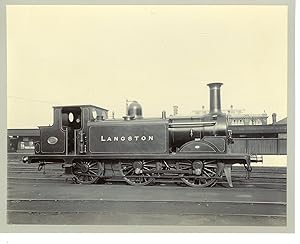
[194, 150]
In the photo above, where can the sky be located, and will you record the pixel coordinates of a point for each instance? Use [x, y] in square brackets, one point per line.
[160, 56]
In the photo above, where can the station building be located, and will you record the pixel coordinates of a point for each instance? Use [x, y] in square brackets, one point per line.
[239, 117]
[21, 140]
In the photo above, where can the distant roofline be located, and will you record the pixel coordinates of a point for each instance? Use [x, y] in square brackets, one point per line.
[67, 106]
[23, 132]
[225, 111]
[249, 129]
[248, 116]
[282, 121]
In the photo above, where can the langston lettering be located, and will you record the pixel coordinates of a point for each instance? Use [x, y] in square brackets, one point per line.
[126, 138]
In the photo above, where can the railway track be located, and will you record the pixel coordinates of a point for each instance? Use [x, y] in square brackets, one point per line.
[38, 198]
[141, 212]
[152, 205]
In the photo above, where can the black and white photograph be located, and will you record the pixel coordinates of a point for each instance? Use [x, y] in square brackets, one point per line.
[149, 115]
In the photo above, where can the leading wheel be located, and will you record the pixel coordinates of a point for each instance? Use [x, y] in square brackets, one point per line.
[87, 172]
[133, 172]
[202, 173]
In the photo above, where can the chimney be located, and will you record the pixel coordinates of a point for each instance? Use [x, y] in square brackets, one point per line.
[175, 110]
[273, 118]
[215, 97]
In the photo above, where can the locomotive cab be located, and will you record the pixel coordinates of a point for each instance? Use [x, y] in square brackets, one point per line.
[66, 134]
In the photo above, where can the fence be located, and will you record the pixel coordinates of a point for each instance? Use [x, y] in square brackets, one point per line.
[266, 146]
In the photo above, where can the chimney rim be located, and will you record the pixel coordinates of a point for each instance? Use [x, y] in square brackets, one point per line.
[215, 84]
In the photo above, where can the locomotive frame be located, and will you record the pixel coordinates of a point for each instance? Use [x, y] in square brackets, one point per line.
[90, 147]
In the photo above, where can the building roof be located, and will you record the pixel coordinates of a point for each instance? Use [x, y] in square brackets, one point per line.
[247, 116]
[254, 129]
[282, 122]
[23, 132]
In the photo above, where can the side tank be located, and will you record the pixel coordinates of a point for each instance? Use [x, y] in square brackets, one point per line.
[184, 129]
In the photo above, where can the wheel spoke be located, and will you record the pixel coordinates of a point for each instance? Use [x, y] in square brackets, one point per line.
[210, 166]
[212, 172]
[204, 172]
[209, 162]
[131, 170]
[92, 172]
[92, 164]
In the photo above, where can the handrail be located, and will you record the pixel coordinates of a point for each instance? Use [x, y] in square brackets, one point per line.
[192, 124]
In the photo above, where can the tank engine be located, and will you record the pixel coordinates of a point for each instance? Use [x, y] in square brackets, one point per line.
[195, 150]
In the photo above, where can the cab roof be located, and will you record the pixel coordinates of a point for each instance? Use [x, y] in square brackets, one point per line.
[82, 106]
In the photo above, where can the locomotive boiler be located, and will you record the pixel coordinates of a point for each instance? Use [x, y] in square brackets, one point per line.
[194, 150]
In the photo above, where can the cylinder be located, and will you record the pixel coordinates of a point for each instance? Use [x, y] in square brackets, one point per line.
[215, 97]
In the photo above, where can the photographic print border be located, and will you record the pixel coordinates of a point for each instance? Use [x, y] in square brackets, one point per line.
[97, 228]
